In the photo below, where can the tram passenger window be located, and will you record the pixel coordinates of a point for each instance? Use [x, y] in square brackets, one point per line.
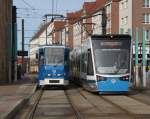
[90, 64]
[83, 63]
[66, 61]
[42, 60]
[78, 65]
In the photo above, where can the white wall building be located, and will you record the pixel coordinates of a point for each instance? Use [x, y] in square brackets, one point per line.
[77, 35]
[97, 23]
[63, 36]
[125, 16]
[35, 44]
[33, 47]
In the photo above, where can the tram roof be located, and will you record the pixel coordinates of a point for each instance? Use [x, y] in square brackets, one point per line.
[110, 36]
[52, 46]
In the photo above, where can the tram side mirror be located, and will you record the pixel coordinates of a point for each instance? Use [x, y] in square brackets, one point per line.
[89, 50]
[37, 56]
[41, 52]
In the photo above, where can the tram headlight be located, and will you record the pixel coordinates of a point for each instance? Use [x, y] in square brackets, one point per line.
[125, 78]
[100, 78]
[49, 74]
[60, 75]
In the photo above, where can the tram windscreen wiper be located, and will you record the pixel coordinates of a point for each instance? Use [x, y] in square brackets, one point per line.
[58, 62]
[119, 68]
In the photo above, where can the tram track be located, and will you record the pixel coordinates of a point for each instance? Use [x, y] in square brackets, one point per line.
[56, 104]
[77, 103]
[133, 107]
[98, 108]
[141, 96]
[33, 109]
[76, 111]
[29, 109]
[119, 107]
[116, 114]
[130, 111]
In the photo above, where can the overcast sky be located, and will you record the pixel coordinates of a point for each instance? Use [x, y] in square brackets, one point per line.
[32, 12]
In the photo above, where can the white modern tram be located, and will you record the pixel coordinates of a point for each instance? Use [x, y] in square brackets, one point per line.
[103, 63]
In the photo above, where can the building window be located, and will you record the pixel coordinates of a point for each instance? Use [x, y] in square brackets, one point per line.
[124, 4]
[108, 9]
[146, 3]
[147, 35]
[121, 5]
[108, 24]
[124, 20]
[147, 18]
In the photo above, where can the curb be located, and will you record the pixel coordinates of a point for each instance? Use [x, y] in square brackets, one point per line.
[16, 109]
[20, 104]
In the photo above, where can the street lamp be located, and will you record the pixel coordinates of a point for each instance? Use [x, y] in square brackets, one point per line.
[45, 24]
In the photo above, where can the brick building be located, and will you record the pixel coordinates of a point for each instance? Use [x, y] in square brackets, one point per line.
[135, 14]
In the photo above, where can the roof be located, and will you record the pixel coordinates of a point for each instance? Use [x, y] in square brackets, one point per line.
[89, 7]
[40, 31]
[73, 16]
[58, 25]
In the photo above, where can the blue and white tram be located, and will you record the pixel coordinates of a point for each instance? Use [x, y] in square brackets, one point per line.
[105, 63]
[53, 65]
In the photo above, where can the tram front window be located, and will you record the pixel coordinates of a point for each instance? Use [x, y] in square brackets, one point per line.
[54, 56]
[112, 61]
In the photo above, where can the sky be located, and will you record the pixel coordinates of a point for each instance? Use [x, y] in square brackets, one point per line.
[32, 11]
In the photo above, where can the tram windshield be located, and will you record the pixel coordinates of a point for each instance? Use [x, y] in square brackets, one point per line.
[114, 60]
[54, 56]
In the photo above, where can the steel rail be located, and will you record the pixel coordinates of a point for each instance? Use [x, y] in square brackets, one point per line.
[76, 111]
[119, 107]
[34, 106]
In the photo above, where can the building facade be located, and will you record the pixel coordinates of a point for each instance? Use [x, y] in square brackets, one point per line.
[100, 17]
[135, 14]
[5, 41]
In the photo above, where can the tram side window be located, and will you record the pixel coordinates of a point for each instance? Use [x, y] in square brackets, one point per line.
[90, 64]
[78, 65]
[83, 63]
[66, 59]
[41, 56]
[42, 60]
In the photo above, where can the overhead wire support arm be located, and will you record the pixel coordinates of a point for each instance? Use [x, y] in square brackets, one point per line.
[57, 15]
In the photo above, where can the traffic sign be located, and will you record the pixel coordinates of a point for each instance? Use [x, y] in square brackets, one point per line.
[22, 53]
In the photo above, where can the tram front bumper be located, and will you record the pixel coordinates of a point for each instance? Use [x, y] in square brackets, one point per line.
[52, 81]
[110, 86]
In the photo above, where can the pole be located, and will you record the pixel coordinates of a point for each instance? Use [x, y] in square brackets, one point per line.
[22, 46]
[46, 28]
[14, 44]
[61, 36]
[129, 32]
[143, 59]
[104, 21]
[52, 8]
[15, 53]
[65, 35]
[121, 30]
[137, 82]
